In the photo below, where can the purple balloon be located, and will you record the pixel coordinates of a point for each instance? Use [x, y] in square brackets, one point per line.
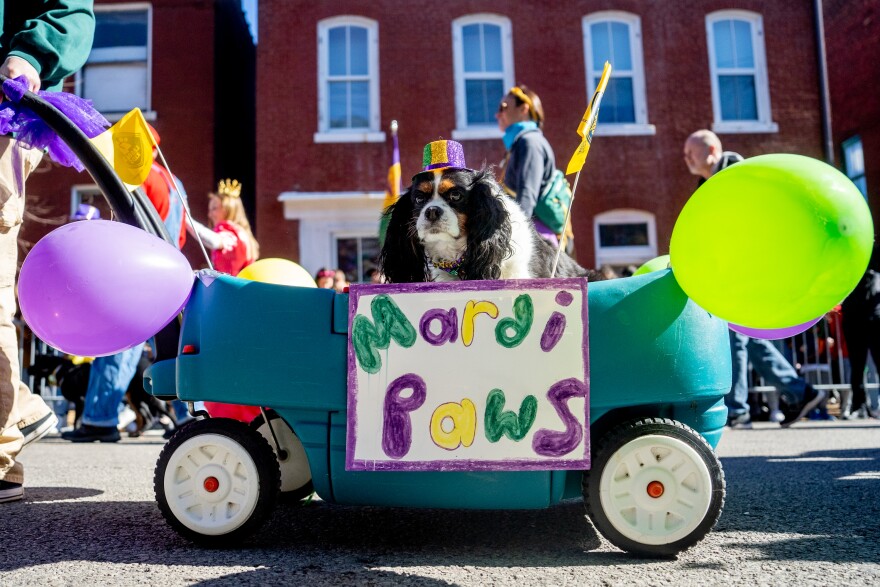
[773, 333]
[99, 287]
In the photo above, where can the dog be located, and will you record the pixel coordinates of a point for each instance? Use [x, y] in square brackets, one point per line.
[457, 224]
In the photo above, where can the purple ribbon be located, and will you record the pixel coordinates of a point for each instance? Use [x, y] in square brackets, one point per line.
[30, 129]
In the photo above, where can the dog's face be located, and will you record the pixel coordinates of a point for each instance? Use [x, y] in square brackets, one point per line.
[440, 205]
[444, 216]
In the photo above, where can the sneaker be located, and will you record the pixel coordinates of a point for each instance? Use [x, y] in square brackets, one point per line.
[777, 416]
[742, 421]
[812, 398]
[39, 429]
[87, 433]
[10, 491]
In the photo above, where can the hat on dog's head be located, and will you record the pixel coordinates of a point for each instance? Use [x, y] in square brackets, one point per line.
[443, 155]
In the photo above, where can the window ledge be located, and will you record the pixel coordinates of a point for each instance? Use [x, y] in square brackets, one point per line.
[465, 134]
[350, 137]
[745, 127]
[116, 116]
[625, 130]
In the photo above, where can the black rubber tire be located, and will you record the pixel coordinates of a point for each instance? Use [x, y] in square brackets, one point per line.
[292, 495]
[269, 478]
[617, 438]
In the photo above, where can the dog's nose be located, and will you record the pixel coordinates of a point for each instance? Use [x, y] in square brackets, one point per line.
[433, 213]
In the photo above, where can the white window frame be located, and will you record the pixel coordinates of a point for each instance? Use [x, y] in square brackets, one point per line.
[765, 123]
[625, 255]
[148, 112]
[325, 134]
[464, 131]
[640, 126]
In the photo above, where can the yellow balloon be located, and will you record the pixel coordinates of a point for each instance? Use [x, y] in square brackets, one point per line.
[279, 272]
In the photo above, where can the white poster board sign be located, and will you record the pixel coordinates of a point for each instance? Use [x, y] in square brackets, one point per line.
[470, 375]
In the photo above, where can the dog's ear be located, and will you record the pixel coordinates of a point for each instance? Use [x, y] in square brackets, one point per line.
[488, 230]
[402, 259]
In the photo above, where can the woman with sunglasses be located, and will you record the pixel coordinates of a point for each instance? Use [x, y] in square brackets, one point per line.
[529, 163]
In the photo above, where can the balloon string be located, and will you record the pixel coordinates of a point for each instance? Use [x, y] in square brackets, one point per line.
[565, 224]
[185, 209]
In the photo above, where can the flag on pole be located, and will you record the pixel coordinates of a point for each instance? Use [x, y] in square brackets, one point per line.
[588, 124]
[392, 190]
[128, 146]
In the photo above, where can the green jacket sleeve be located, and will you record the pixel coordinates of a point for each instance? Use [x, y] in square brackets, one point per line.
[56, 40]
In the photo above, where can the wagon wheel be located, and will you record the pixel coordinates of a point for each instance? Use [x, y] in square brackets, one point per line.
[216, 481]
[296, 477]
[655, 489]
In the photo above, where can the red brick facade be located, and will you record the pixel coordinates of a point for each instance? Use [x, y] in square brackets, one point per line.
[416, 88]
[184, 101]
[852, 33]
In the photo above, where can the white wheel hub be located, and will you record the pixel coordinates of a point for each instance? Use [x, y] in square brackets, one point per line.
[655, 489]
[211, 484]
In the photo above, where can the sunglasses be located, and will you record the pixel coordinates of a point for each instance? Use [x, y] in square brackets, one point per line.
[502, 107]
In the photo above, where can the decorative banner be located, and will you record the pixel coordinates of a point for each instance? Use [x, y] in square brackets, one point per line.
[468, 376]
[587, 126]
[128, 146]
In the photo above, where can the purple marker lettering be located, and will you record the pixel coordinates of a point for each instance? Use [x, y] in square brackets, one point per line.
[397, 427]
[552, 332]
[551, 443]
[448, 326]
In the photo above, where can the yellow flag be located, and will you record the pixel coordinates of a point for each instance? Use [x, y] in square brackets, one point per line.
[128, 146]
[588, 124]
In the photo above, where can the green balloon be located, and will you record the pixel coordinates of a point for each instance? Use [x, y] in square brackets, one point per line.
[655, 264]
[772, 241]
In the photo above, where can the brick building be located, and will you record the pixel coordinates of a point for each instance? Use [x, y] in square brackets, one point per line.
[189, 66]
[332, 76]
[852, 32]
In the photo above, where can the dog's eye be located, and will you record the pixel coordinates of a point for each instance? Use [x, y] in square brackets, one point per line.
[419, 197]
[455, 196]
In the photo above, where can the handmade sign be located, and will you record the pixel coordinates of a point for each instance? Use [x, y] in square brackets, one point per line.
[469, 375]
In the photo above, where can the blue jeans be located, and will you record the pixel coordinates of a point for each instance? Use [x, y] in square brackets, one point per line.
[770, 365]
[108, 381]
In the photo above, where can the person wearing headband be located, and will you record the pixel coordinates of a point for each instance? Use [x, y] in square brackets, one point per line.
[325, 278]
[529, 163]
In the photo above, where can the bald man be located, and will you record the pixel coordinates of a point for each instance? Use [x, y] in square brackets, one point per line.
[704, 158]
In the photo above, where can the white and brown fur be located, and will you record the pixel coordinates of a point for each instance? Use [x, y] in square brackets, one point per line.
[454, 213]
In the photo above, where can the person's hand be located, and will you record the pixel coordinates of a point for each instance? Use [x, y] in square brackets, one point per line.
[227, 241]
[14, 67]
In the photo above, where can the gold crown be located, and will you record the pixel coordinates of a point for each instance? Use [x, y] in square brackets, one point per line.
[229, 187]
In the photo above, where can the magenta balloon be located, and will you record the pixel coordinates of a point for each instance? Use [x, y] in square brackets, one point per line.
[773, 333]
[97, 287]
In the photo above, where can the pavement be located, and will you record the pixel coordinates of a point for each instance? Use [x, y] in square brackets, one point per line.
[803, 507]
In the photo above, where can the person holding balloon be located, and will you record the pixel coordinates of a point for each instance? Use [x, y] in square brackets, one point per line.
[233, 246]
[704, 158]
[41, 43]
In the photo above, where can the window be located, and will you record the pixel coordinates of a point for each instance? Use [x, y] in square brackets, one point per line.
[356, 255]
[854, 163]
[483, 61]
[625, 237]
[616, 37]
[116, 76]
[738, 68]
[348, 80]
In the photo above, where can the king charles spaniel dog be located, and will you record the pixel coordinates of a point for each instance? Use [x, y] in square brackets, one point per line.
[457, 224]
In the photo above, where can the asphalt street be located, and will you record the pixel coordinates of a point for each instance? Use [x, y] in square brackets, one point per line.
[803, 507]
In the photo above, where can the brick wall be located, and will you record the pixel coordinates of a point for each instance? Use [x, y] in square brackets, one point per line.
[416, 88]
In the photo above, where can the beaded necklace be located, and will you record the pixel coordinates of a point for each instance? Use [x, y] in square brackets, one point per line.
[450, 267]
